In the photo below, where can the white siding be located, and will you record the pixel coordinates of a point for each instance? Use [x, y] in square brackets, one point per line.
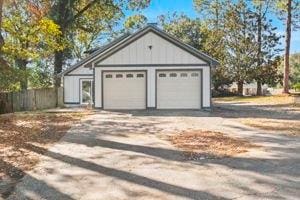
[162, 52]
[71, 88]
[82, 70]
[151, 82]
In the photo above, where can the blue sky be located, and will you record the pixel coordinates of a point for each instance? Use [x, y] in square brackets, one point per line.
[159, 7]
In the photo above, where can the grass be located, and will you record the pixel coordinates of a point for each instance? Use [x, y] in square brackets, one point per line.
[199, 144]
[18, 130]
[290, 127]
[266, 100]
[277, 114]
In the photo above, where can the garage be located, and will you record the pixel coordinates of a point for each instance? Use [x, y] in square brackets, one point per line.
[146, 69]
[124, 89]
[179, 89]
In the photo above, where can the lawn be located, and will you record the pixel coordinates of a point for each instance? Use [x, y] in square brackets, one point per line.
[276, 114]
[260, 100]
[18, 131]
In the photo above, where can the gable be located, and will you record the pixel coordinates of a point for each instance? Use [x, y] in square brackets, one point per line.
[81, 70]
[150, 48]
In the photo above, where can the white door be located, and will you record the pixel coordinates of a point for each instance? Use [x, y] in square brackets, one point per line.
[179, 89]
[124, 90]
[86, 92]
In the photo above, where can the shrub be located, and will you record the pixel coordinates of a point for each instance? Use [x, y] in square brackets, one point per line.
[296, 86]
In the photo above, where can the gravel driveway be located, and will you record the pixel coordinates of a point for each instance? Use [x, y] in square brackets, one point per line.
[125, 155]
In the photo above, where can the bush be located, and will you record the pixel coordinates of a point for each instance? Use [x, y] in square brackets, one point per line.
[223, 93]
[296, 86]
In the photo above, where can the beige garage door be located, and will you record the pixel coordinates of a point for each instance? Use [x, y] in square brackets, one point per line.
[124, 90]
[178, 89]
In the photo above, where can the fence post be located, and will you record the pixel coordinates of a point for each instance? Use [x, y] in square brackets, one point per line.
[12, 101]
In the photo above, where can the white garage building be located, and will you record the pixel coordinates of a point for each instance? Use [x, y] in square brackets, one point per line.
[146, 69]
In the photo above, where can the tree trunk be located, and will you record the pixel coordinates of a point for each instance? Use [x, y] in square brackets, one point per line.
[287, 48]
[3, 63]
[22, 65]
[259, 54]
[58, 63]
[240, 85]
[259, 89]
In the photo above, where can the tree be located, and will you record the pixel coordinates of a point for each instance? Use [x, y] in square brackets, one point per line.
[186, 29]
[73, 15]
[213, 13]
[28, 36]
[267, 42]
[240, 42]
[289, 12]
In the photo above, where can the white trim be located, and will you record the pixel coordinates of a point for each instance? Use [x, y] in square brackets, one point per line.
[80, 89]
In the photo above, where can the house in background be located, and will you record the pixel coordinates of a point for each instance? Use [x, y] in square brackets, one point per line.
[249, 89]
[146, 69]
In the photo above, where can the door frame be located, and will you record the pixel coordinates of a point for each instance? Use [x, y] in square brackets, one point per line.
[114, 71]
[80, 90]
[189, 69]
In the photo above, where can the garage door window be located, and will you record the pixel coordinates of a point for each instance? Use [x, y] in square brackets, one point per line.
[108, 76]
[183, 75]
[140, 75]
[162, 75]
[129, 75]
[173, 75]
[119, 76]
[194, 74]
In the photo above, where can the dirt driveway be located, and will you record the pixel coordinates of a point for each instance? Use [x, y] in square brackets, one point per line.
[114, 155]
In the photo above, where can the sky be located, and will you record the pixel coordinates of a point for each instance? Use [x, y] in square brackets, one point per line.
[160, 7]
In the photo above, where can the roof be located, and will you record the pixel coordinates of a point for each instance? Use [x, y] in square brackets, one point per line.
[101, 53]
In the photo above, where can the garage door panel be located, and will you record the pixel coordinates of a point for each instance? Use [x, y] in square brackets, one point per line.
[177, 91]
[126, 92]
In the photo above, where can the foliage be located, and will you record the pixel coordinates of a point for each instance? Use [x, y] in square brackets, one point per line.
[41, 74]
[266, 70]
[29, 35]
[270, 72]
[240, 42]
[213, 12]
[78, 16]
[296, 86]
[186, 29]
[29, 40]
[295, 68]
[289, 11]
[135, 22]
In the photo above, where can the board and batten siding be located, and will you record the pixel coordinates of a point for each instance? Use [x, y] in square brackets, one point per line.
[160, 52]
[151, 77]
[82, 70]
[71, 88]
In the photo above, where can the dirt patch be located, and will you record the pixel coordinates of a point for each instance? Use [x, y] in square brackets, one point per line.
[18, 131]
[199, 144]
[289, 127]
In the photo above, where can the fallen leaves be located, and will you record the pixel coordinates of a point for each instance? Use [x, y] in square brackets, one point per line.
[18, 130]
[199, 144]
[290, 127]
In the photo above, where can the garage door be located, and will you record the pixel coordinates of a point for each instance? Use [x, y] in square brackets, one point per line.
[179, 89]
[124, 90]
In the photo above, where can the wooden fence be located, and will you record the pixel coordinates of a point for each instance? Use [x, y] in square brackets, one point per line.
[31, 100]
